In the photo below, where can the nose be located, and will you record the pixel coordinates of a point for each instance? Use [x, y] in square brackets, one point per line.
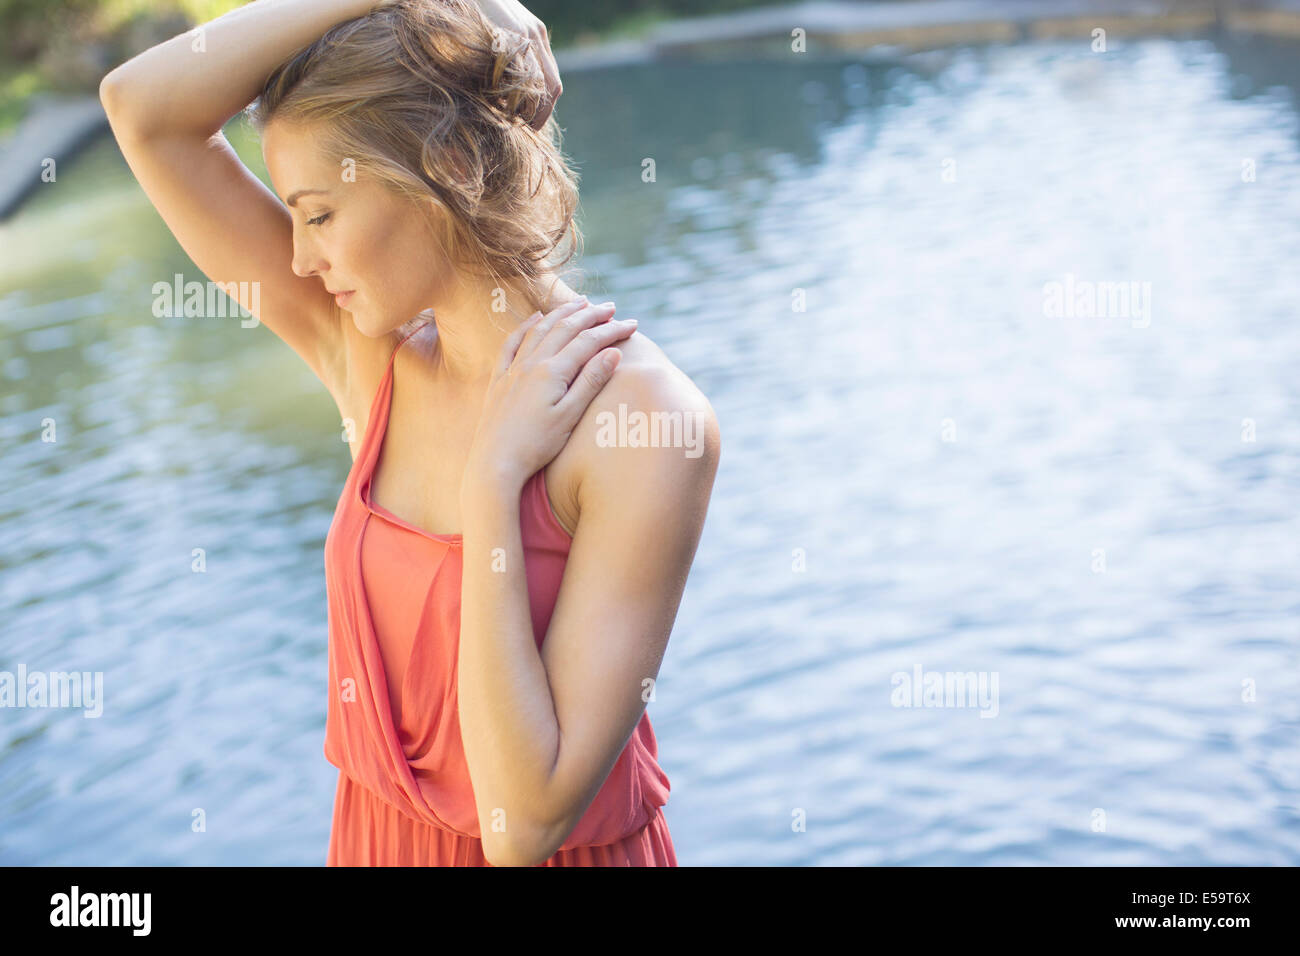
[299, 265]
[305, 262]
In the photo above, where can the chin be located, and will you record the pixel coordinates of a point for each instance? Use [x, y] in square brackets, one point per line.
[372, 330]
[365, 325]
[368, 332]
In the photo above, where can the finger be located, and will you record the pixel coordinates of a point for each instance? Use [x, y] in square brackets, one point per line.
[550, 70]
[594, 376]
[539, 331]
[511, 347]
[545, 104]
[574, 356]
[553, 340]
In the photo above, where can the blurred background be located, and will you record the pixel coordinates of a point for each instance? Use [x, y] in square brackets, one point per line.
[857, 251]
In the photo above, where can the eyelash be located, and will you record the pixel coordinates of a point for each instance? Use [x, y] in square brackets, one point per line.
[319, 219]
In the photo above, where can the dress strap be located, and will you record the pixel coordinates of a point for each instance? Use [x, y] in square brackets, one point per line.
[403, 342]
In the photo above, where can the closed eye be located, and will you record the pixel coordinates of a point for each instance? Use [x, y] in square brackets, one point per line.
[319, 219]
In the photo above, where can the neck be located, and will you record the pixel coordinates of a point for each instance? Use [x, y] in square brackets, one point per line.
[475, 320]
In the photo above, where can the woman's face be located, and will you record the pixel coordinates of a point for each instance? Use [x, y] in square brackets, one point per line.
[355, 235]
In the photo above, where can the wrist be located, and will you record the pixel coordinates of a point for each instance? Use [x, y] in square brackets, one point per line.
[490, 484]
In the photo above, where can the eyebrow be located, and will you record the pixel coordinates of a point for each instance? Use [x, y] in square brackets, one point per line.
[293, 197]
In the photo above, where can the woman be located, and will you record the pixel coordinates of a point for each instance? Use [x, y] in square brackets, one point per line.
[502, 577]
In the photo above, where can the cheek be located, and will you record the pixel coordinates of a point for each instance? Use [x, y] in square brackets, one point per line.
[395, 255]
[415, 262]
[382, 255]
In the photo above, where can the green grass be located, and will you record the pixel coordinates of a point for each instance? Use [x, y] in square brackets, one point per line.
[103, 22]
[17, 84]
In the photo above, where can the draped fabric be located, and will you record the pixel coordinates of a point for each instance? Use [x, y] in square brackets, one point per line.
[404, 795]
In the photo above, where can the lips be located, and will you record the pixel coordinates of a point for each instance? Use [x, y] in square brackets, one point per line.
[343, 297]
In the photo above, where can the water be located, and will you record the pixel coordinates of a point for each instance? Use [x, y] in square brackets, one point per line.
[921, 469]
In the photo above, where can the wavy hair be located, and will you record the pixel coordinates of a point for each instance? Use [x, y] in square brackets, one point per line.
[429, 99]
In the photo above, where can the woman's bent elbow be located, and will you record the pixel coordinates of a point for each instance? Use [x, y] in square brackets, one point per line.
[113, 97]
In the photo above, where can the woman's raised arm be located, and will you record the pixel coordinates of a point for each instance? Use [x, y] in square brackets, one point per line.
[196, 81]
[167, 107]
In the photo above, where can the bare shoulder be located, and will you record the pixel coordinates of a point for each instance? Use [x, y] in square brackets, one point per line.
[647, 407]
[645, 381]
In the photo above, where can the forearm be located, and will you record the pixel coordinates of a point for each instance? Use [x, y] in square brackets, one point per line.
[198, 80]
[507, 715]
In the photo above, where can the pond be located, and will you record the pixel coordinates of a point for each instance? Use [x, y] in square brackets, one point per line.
[1002, 343]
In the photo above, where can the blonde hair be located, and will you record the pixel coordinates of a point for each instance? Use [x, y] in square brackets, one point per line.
[429, 99]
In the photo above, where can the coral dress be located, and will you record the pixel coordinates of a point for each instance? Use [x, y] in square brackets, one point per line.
[404, 796]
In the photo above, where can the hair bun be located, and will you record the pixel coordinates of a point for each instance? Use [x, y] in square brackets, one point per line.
[493, 65]
[514, 86]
